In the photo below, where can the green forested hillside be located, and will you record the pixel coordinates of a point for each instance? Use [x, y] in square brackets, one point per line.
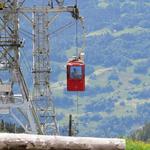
[117, 58]
[116, 100]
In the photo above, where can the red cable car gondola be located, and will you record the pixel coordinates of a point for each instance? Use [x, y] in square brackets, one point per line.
[75, 75]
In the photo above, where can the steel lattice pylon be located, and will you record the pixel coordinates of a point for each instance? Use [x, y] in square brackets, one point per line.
[41, 74]
[9, 62]
[37, 111]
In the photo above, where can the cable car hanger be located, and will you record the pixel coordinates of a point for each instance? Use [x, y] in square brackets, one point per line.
[76, 67]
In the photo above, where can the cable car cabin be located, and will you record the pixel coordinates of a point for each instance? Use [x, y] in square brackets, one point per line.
[76, 75]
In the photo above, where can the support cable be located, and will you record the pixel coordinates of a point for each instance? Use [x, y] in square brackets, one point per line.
[61, 29]
[77, 53]
[52, 34]
[78, 18]
[76, 5]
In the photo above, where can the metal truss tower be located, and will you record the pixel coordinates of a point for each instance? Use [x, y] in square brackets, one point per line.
[11, 75]
[36, 113]
[41, 73]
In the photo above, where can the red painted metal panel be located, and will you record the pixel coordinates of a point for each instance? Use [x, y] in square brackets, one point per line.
[75, 75]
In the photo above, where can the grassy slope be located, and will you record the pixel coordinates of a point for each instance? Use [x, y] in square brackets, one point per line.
[137, 145]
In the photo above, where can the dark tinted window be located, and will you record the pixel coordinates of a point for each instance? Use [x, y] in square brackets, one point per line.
[75, 72]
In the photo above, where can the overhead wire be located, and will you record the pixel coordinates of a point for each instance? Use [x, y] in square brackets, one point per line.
[83, 35]
[76, 30]
[61, 29]
[79, 19]
[77, 53]
[52, 34]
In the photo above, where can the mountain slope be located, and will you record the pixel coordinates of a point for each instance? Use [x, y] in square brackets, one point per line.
[117, 58]
[116, 101]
